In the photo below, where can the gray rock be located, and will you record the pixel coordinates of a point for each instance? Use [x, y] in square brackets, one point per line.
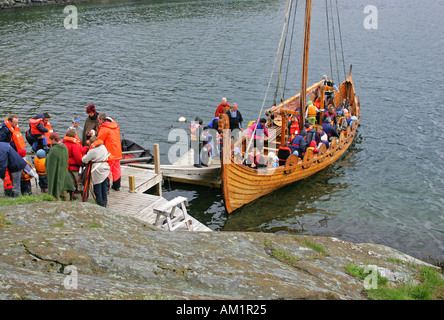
[58, 250]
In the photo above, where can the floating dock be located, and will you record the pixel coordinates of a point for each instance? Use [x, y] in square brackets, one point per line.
[184, 171]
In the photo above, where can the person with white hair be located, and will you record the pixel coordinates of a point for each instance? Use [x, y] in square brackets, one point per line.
[222, 108]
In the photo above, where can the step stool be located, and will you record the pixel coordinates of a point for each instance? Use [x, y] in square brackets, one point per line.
[167, 211]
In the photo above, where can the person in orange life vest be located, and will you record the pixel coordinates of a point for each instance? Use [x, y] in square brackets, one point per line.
[10, 132]
[39, 165]
[109, 133]
[293, 127]
[10, 160]
[7, 184]
[48, 126]
[222, 108]
[36, 133]
[311, 112]
[195, 140]
[25, 181]
[298, 146]
[283, 153]
[91, 123]
[75, 153]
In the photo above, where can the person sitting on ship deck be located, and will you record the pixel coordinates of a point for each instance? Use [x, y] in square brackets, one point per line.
[329, 129]
[283, 153]
[298, 146]
[308, 133]
[321, 137]
[255, 159]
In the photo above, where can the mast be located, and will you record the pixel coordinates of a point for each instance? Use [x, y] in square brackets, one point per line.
[303, 96]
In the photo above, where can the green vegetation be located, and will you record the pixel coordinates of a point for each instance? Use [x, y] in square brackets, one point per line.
[430, 286]
[314, 246]
[27, 199]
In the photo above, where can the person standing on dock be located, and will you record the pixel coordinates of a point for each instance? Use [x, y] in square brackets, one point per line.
[222, 108]
[109, 133]
[235, 119]
[195, 137]
[98, 155]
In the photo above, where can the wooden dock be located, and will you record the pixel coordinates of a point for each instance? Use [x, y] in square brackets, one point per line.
[137, 203]
[184, 171]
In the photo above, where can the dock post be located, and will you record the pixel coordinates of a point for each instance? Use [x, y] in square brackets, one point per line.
[132, 183]
[157, 168]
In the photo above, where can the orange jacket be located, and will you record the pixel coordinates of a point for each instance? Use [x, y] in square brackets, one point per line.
[16, 136]
[109, 133]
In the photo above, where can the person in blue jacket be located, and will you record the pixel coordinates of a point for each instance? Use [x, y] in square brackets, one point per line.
[11, 160]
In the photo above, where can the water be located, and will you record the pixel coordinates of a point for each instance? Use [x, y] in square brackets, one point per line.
[147, 63]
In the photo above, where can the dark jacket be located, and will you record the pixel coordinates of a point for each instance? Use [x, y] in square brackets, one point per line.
[298, 143]
[236, 121]
[9, 158]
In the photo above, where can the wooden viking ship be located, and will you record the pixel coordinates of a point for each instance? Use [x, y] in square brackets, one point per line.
[242, 184]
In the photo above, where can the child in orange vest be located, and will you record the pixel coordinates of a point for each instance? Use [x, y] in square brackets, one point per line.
[39, 164]
[25, 180]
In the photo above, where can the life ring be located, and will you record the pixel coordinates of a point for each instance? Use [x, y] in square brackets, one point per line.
[321, 151]
[308, 159]
[291, 163]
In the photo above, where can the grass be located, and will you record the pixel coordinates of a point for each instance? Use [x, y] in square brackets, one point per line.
[430, 287]
[27, 199]
[316, 247]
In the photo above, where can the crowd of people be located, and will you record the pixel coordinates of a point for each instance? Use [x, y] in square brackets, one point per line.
[322, 124]
[63, 165]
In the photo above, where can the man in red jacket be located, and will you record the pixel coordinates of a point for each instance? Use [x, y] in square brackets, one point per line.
[109, 133]
[75, 152]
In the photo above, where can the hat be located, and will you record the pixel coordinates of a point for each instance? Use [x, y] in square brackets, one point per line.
[22, 152]
[307, 125]
[198, 119]
[90, 108]
[41, 153]
[236, 150]
[310, 103]
[313, 144]
[271, 155]
[75, 120]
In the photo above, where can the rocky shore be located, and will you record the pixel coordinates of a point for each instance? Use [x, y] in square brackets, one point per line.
[56, 250]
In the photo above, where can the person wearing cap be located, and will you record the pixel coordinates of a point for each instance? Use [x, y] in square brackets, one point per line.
[109, 133]
[39, 165]
[56, 165]
[91, 123]
[76, 126]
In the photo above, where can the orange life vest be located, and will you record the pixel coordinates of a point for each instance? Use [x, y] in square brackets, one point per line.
[25, 175]
[39, 164]
[47, 134]
[33, 123]
[16, 135]
[7, 182]
[311, 111]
